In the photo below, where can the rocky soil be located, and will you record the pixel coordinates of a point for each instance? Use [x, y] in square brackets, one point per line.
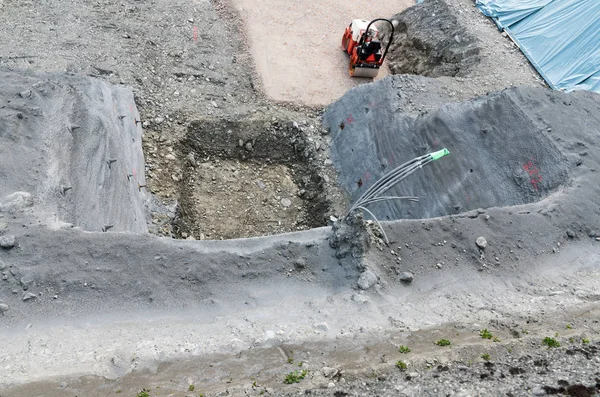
[96, 314]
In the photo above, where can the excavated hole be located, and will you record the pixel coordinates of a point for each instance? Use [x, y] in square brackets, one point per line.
[247, 178]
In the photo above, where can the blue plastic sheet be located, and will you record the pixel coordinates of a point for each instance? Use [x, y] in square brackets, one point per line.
[561, 38]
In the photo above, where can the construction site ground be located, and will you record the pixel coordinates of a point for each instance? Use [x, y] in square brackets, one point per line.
[235, 149]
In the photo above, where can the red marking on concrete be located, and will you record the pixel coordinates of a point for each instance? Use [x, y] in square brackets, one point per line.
[195, 33]
[435, 143]
[349, 119]
[134, 173]
[534, 174]
[131, 108]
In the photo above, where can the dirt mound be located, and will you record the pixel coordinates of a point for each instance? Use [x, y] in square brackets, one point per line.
[72, 145]
[501, 154]
[429, 41]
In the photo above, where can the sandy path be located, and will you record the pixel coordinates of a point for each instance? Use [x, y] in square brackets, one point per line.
[296, 45]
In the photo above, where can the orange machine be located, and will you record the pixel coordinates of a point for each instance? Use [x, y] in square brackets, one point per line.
[361, 42]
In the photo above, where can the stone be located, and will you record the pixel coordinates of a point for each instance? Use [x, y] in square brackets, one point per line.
[159, 120]
[214, 104]
[362, 299]
[241, 143]
[29, 296]
[331, 385]
[322, 327]
[249, 146]
[7, 242]
[367, 279]
[300, 263]
[286, 202]
[570, 233]
[481, 242]
[407, 277]
[25, 94]
[16, 201]
[2, 265]
[3, 307]
[329, 372]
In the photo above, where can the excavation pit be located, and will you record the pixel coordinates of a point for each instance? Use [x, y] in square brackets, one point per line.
[247, 178]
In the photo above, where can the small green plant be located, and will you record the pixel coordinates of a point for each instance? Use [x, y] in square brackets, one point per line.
[144, 393]
[443, 342]
[525, 332]
[485, 334]
[301, 363]
[404, 349]
[496, 339]
[569, 326]
[485, 356]
[556, 334]
[118, 391]
[585, 341]
[290, 360]
[295, 377]
[551, 342]
[509, 350]
[401, 365]
[191, 388]
[571, 340]
[254, 384]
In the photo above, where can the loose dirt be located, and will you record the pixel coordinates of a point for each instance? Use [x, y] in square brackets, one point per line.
[296, 45]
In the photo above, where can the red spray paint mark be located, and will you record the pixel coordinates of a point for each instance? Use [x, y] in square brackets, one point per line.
[195, 33]
[367, 176]
[349, 119]
[534, 174]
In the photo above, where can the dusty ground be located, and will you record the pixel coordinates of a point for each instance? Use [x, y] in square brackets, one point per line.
[234, 317]
[296, 45]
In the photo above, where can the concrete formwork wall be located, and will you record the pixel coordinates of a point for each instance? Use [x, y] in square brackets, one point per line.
[73, 144]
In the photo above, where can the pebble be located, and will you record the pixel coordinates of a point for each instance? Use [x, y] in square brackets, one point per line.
[300, 263]
[329, 372]
[214, 104]
[286, 202]
[241, 143]
[249, 146]
[362, 299]
[367, 280]
[438, 265]
[7, 242]
[322, 327]
[3, 307]
[28, 296]
[481, 242]
[331, 385]
[2, 265]
[407, 277]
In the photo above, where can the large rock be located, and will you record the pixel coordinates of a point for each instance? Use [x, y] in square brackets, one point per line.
[367, 279]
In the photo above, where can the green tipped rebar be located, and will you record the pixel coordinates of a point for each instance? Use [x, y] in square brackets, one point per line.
[439, 154]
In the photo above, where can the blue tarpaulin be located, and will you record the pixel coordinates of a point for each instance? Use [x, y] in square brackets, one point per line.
[561, 38]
